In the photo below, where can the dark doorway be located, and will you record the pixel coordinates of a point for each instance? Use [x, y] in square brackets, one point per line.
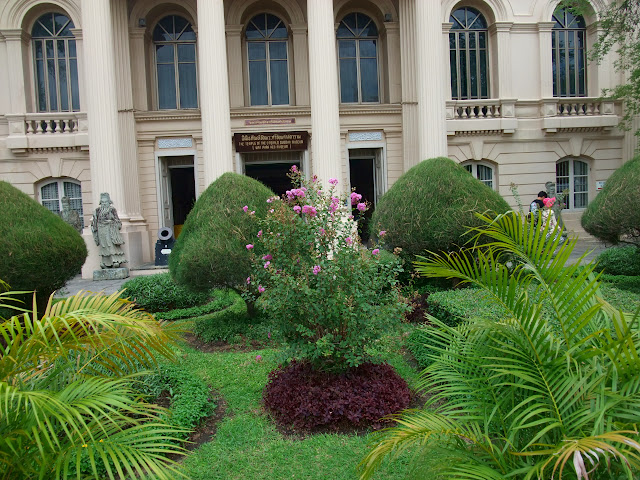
[273, 175]
[362, 170]
[183, 195]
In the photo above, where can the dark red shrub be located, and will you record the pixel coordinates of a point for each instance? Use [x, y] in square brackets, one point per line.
[298, 396]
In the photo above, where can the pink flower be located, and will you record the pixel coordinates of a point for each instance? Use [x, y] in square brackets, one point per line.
[316, 269]
[271, 211]
[297, 209]
[269, 200]
[375, 251]
[245, 208]
[268, 334]
[309, 210]
[261, 289]
[266, 265]
[290, 195]
[382, 233]
[322, 231]
[249, 246]
[362, 207]
[348, 240]
[252, 212]
[248, 280]
[333, 181]
[267, 257]
[258, 358]
[259, 233]
[355, 198]
[294, 169]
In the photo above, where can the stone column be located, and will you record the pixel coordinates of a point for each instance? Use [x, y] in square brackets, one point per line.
[139, 65]
[234, 56]
[502, 31]
[15, 40]
[102, 102]
[105, 153]
[301, 63]
[77, 34]
[432, 134]
[392, 31]
[214, 90]
[323, 72]
[546, 64]
[407, 20]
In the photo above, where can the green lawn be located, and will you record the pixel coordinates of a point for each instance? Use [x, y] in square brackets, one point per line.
[247, 444]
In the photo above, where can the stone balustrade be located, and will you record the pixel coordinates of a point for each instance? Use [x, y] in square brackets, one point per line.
[482, 115]
[578, 113]
[47, 130]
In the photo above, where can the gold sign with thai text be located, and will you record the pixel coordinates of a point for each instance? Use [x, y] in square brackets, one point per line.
[270, 142]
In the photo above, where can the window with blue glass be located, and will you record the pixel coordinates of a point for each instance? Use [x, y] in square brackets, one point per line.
[569, 54]
[267, 53]
[469, 54]
[174, 42]
[358, 59]
[56, 64]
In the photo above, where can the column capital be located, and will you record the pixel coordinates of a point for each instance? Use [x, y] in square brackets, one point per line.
[392, 27]
[446, 27]
[77, 33]
[501, 27]
[299, 28]
[15, 35]
[138, 32]
[546, 26]
[232, 30]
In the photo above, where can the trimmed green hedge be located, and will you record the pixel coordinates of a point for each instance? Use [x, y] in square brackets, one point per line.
[39, 250]
[620, 260]
[211, 249]
[453, 306]
[614, 212]
[221, 300]
[159, 293]
[431, 206]
[234, 325]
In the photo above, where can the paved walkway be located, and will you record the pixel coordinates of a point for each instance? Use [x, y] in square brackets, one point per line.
[111, 286]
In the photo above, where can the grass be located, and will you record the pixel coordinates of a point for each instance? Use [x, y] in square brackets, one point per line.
[247, 443]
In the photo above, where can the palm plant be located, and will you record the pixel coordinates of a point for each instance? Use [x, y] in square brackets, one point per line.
[68, 402]
[550, 391]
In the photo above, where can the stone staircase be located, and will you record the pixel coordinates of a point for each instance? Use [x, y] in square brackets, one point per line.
[571, 220]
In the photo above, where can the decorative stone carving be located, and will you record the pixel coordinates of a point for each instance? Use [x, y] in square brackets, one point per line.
[70, 216]
[105, 227]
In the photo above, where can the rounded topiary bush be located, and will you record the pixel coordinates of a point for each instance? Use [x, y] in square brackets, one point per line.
[298, 396]
[613, 214]
[159, 293]
[211, 249]
[431, 206]
[620, 261]
[39, 250]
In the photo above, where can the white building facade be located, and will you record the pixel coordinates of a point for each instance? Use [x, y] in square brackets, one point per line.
[152, 100]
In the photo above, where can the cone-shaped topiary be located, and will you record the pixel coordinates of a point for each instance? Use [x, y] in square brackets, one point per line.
[613, 216]
[211, 249]
[431, 206]
[39, 250]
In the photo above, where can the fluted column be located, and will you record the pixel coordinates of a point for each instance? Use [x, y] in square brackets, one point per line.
[546, 64]
[234, 58]
[432, 135]
[102, 102]
[323, 72]
[392, 33]
[407, 19]
[137, 37]
[214, 90]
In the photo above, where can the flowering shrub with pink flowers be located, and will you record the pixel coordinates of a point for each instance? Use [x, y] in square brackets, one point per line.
[331, 296]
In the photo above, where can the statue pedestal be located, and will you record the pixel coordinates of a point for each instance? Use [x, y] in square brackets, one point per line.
[111, 274]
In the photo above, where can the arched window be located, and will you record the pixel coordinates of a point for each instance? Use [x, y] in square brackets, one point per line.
[468, 54]
[573, 176]
[56, 64]
[51, 194]
[267, 52]
[481, 171]
[175, 50]
[569, 56]
[358, 57]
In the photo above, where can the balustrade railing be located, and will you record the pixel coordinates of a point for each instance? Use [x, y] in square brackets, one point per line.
[47, 130]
